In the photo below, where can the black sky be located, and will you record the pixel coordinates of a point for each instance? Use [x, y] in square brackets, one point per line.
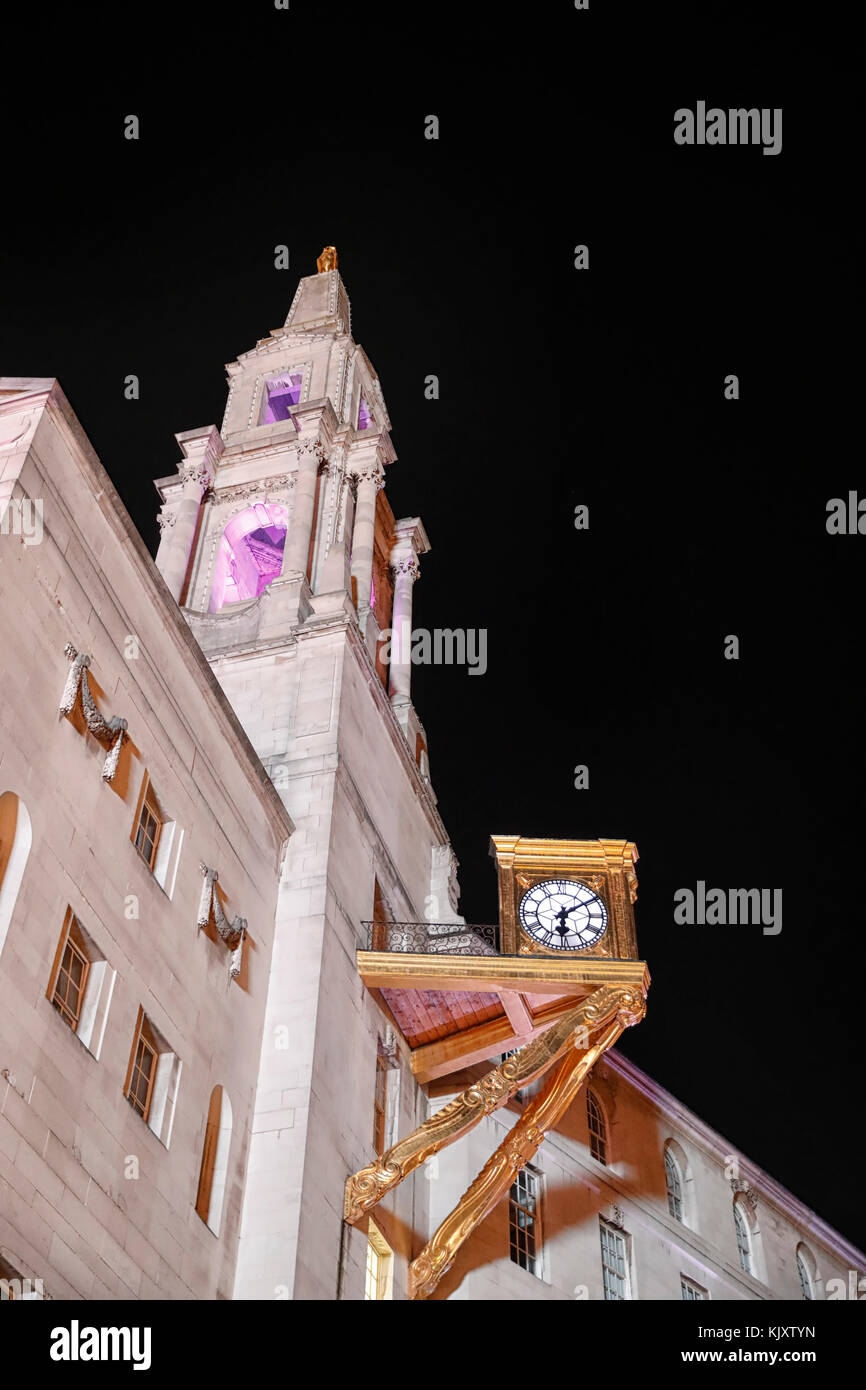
[558, 387]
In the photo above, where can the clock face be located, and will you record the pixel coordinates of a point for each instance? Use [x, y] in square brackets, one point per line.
[563, 915]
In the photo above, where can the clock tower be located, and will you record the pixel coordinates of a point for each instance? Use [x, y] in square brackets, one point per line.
[567, 955]
[565, 895]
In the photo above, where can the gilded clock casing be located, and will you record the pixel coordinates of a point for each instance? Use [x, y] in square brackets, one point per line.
[606, 866]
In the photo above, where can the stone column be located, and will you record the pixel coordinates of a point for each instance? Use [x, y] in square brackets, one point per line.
[179, 515]
[297, 549]
[369, 482]
[411, 541]
[405, 570]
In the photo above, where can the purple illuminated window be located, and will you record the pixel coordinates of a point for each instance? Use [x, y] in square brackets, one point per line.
[365, 419]
[281, 392]
[250, 554]
[265, 549]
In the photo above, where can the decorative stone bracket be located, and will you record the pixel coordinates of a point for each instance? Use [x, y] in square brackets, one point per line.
[109, 732]
[232, 935]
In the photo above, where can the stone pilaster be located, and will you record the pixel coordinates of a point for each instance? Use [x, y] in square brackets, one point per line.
[178, 516]
[410, 543]
[369, 480]
[296, 553]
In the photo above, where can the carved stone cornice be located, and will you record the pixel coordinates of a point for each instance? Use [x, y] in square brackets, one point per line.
[240, 491]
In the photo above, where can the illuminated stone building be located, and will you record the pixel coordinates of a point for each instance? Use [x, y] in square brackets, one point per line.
[232, 964]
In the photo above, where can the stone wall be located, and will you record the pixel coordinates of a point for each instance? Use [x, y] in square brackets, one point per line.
[71, 1210]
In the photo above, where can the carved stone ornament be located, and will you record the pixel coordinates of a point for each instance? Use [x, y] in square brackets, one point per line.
[371, 473]
[231, 934]
[109, 732]
[166, 516]
[311, 446]
[195, 473]
[263, 488]
[388, 1050]
[405, 565]
[742, 1187]
[453, 885]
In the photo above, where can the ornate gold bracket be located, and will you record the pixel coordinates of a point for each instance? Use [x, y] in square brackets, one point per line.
[367, 1187]
[516, 1149]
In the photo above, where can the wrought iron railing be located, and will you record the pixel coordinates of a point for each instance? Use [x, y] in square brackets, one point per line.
[432, 938]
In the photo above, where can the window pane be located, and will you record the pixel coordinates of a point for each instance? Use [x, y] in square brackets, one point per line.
[522, 1218]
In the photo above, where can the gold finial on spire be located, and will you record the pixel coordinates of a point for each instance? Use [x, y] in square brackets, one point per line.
[327, 261]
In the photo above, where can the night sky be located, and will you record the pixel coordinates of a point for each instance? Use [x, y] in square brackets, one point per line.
[558, 387]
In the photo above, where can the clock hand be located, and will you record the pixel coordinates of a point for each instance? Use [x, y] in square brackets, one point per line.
[561, 916]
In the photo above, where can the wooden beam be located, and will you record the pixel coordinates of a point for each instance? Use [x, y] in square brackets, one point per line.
[480, 1043]
[490, 974]
[518, 1014]
[517, 1148]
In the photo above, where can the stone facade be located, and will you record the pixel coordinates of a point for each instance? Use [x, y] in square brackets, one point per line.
[92, 1201]
[240, 677]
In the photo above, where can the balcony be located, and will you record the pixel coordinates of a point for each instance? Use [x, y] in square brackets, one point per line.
[457, 1001]
[432, 938]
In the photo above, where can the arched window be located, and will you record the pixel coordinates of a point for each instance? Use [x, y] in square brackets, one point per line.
[807, 1271]
[16, 836]
[250, 554]
[215, 1160]
[674, 1185]
[597, 1127]
[744, 1238]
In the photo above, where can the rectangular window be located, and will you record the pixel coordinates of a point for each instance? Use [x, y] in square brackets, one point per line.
[148, 824]
[81, 984]
[143, 1070]
[379, 940]
[71, 978]
[524, 1229]
[378, 1278]
[691, 1290]
[380, 1105]
[152, 1078]
[279, 395]
[614, 1263]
